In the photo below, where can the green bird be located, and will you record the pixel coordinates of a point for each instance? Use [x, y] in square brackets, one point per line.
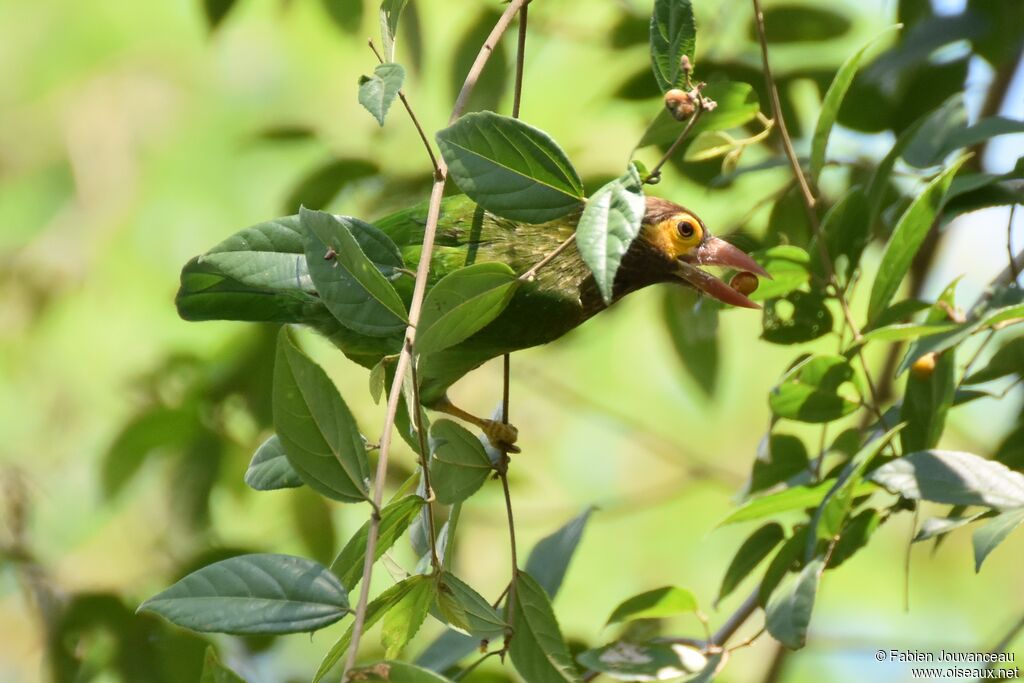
[261, 274]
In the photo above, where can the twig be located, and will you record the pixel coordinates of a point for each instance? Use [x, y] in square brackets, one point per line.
[517, 93]
[480, 660]
[418, 422]
[1014, 268]
[419, 290]
[737, 619]
[510, 602]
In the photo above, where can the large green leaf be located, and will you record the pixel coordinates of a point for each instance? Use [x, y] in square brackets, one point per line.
[462, 303]
[753, 551]
[906, 239]
[994, 532]
[395, 672]
[350, 284]
[549, 559]
[378, 92]
[390, 11]
[647, 661]
[655, 604]
[538, 650]
[316, 428]
[788, 613]
[830, 109]
[952, 477]
[458, 463]
[673, 36]
[252, 594]
[395, 518]
[510, 168]
[403, 620]
[610, 222]
[269, 469]
[810, 391]
[466, 610]
[693, 327]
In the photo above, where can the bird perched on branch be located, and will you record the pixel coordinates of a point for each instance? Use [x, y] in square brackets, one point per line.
[672, 245]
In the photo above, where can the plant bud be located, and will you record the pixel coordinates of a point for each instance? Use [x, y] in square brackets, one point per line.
[924, 366]
[745, 283]
[680, 104]
[684, 64]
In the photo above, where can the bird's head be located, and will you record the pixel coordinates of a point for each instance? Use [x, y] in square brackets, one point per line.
[682, 238]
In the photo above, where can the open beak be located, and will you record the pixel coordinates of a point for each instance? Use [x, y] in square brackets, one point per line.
[718, 252]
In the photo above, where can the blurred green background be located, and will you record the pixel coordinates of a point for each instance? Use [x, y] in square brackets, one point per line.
[133, 137]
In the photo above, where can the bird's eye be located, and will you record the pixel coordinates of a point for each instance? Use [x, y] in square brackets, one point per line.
[686, 229]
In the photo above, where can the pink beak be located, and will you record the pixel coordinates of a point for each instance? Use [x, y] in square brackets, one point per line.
[718, 252]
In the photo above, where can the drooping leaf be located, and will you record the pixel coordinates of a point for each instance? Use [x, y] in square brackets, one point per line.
[378, 92]
[751, 553]
[798, 317]
[648, 661]
[316, 428]
[933, 527]
[462, 303]
[458, 464]
[610, 222]
[351, 286]
[788, 613]
[655, 604]
[693, 327]
[1008, 360]
[538, 650]
[994, 532]
[395, 518]
[855, 534]
[466, 610]
[550, 558]
[390, 11]
[270, 469]
[403, 619]
[810, 391]
[510, 168]
[673, 36]
[252, 594]
[906, 239]
[214, 671]
[378, 375]
[395, 672]
[952, 477]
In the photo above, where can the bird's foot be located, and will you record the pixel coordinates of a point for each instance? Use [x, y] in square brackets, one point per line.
[501, 435]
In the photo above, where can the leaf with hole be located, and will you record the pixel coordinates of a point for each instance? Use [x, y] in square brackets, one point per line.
[510, 168]
[796, 318]
[254, 594]
[462, 303]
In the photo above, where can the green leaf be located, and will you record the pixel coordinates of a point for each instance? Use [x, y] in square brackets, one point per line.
[550, 558]
[952, 477]
[395, 672]
[789, 267]
[788, 613]
[374, 611]
[790, 555]
[673, 35]
[459, 466]
[315, 427]
[610, 222]
[795, 498]
[847, 229]
[346, 15]
[994, 531]
[269, 469]
[655, 604]
[1008, 360]
[378, 92]
[830, 107]
[855, 535]
[466, 610]
[939, 526]
[157, 430]
[906, 239]
[785, 457]
[796, 318]
[647, 661]
[926, 400]
[753, 551]
[390, 10]
[538, 651]
[907, 331]
[252, 594]
[692, 324]
[809, 392]
[403, 619]
[378, 375]
[215, 672]
[351, 286]
[319, 186]
[395, 518]
[510, 168]
[799, 23]
[462, 303]
[709, 145]
[929, 147]
[313, 524]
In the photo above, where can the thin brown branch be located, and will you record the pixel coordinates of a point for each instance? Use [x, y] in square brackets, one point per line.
[1014, 268]
[517, 93]
[737, 619]
[511, 601]
[424, 465]
[404, 359]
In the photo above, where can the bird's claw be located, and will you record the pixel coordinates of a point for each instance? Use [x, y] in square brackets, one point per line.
[501, 435]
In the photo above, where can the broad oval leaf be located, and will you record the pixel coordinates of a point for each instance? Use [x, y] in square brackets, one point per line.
[648, 661]
[952, 477]
[458, 463]
[350, 285]
[253, 594]
[809, 392]
[466, 610]
[395, 518]
[315, 427]
[926, 400]
[510, 168]
[269, 469]
[751, 553]
[906, 239]
[538, 650]
[610, 222]
[378, 92]
[395, 672]
[673, 36]
[462, 303]
[668, 601]
[788, 613]
[994, 532]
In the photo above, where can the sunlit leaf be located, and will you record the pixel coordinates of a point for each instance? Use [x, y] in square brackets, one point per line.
[952, 477]
[795, 498]
[378, 92]
[789, 267]
[810, 391]
[926, 400]
[655, 604]
[1008, 360]
[458, 464]
[270, 469]
[737, 104]
[395, 518]
[673, 36]
[252, 594]
[855, 534]
[782, 457]
[934, 527]
[462, 303]
[538, 650]
[510, 168]
[648, 661]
